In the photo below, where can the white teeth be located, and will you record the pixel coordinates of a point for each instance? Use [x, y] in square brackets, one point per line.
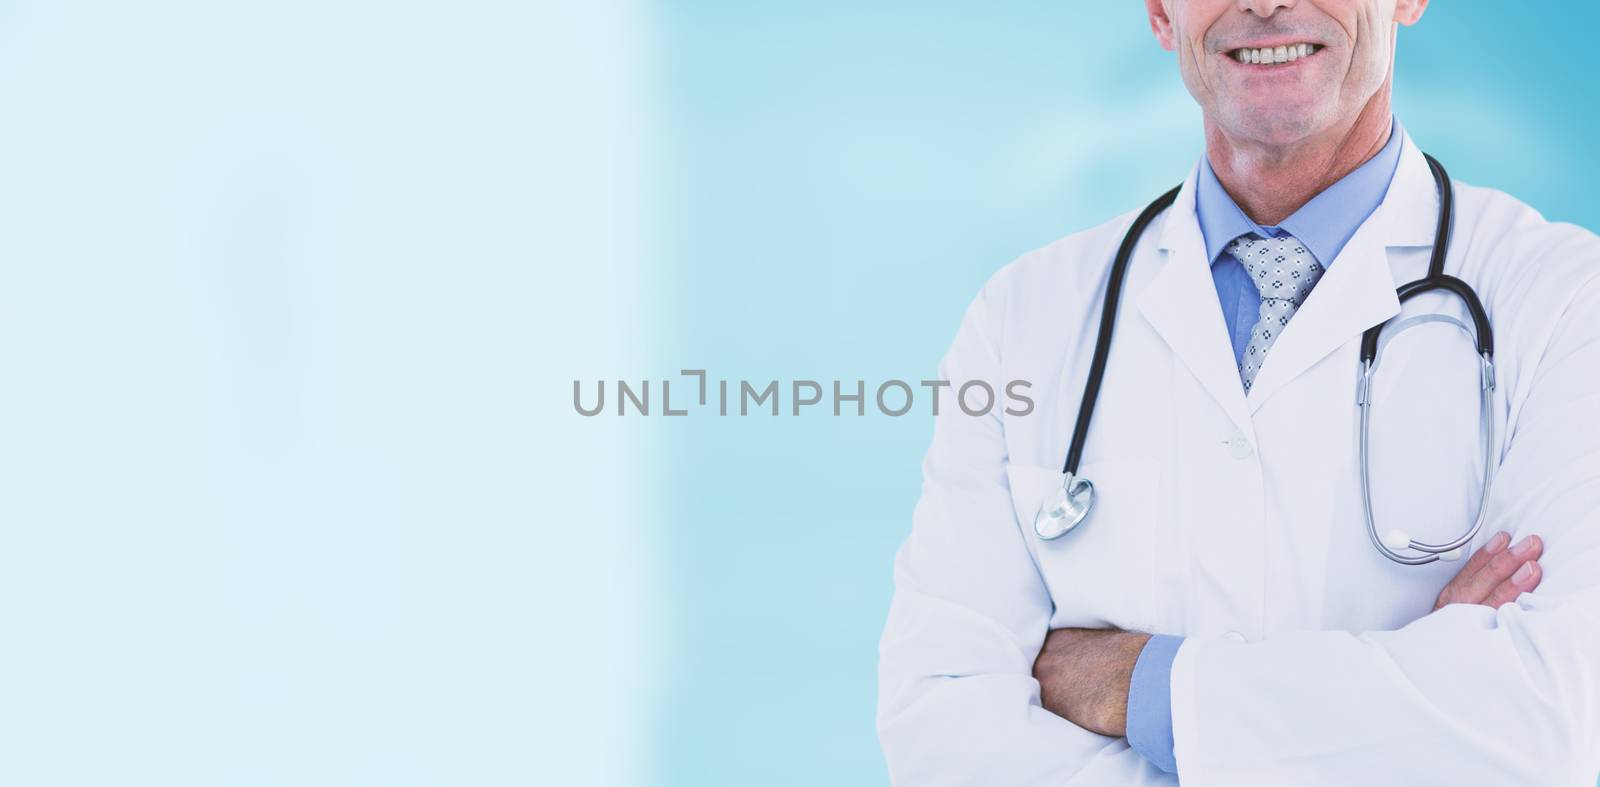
[1274, 55]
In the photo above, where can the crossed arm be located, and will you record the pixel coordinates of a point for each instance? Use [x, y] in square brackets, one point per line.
[1085, 674]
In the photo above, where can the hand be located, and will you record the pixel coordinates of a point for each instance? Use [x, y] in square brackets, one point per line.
[1495, 575]
[1084, 675]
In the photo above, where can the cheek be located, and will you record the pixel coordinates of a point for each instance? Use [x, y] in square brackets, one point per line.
[1369, 65]
[1192, 67]
[1370, 58]
[1191, 21]
[1194, 63]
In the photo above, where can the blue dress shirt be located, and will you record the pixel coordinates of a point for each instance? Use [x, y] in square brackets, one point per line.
[1324, 225]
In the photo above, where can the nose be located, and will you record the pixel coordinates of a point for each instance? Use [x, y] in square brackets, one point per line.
[1264, 8]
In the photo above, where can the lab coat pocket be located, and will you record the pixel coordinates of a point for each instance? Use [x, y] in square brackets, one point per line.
[1102, 574]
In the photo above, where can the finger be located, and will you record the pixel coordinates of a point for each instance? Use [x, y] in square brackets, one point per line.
[1524, 580]
[1477, 588]
[1494, 546]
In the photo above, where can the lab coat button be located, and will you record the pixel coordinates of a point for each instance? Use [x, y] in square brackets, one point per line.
[1235, 636]
[1239, 446]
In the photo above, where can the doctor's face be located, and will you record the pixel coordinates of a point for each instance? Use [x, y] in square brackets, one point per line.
[1280, 71]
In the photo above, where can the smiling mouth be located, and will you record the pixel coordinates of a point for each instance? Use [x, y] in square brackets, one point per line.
[1274, 55]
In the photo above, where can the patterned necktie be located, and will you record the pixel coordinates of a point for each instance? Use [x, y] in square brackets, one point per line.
[1284, 273]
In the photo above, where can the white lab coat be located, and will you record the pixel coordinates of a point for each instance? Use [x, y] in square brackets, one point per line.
[1234, 520]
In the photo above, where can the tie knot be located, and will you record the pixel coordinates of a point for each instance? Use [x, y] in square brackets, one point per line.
[1281, 268]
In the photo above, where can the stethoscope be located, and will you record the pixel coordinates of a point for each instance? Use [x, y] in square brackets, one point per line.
[1074, 500]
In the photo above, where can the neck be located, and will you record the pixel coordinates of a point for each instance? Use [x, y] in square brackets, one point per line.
[1271, 182]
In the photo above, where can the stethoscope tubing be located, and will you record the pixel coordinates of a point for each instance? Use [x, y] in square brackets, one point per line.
[1108, 322]
[1435, 280]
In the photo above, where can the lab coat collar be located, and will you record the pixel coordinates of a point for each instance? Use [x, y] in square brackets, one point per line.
[1355, 294]
[1410, 211]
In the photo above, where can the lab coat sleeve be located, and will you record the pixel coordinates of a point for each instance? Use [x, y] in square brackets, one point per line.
[958, 704]
[1467, 694]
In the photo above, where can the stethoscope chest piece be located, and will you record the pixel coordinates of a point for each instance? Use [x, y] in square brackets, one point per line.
[1065, 509]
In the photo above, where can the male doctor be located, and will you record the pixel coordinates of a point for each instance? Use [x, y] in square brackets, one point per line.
[1221, 618]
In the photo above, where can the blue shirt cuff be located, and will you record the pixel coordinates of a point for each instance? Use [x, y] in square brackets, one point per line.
[1150, 702]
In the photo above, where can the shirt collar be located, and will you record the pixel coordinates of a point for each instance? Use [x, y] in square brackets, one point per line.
[1324, 225]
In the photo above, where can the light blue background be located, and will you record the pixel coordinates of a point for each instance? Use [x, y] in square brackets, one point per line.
[292, 296]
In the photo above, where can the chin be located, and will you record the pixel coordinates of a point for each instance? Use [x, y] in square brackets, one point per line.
[1274, 124]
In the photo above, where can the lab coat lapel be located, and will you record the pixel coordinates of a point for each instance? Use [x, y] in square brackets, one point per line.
[1180, 303]
[1358, 290]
